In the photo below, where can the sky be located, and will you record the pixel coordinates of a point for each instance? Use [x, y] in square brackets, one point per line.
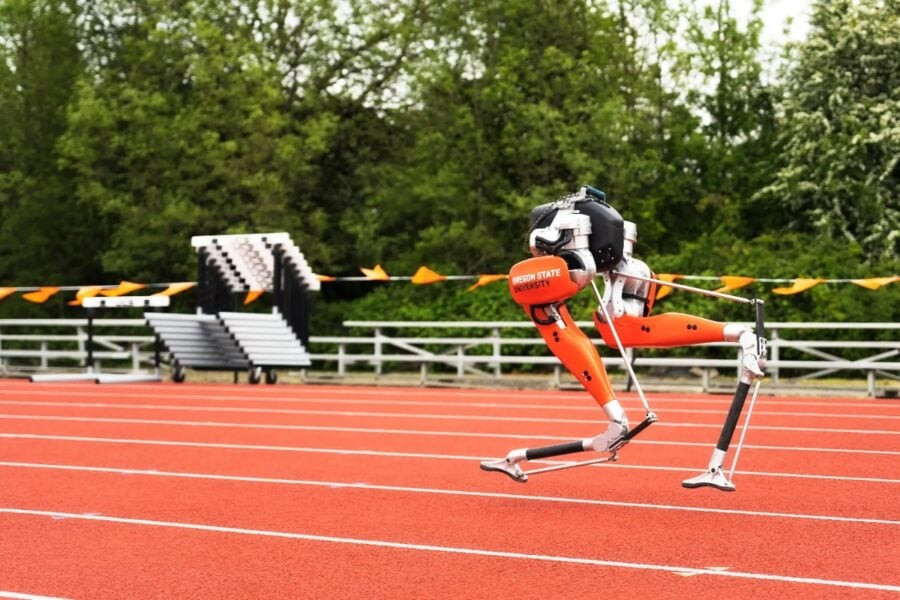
[773, 37]
[775, 13]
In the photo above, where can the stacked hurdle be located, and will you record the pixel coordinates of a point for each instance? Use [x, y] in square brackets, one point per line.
[218, 337]
[270, 262]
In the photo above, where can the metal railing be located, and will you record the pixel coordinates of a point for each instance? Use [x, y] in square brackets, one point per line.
[480, 349]
[390, 347]
[46, 351]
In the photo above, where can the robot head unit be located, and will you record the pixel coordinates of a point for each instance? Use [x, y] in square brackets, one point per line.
[582, 228]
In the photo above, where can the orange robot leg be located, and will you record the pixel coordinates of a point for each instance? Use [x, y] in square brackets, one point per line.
[661, 331]
[579, 355]
[541, 285]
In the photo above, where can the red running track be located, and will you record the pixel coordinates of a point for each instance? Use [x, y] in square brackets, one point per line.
[232, 491]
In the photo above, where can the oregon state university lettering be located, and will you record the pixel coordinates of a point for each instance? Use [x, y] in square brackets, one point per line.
[534, 281]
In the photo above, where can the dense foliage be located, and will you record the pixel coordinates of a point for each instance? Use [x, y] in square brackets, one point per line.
[418, 132]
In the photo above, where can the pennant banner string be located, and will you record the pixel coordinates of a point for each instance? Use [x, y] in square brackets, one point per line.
[425, 276]
[183, 285]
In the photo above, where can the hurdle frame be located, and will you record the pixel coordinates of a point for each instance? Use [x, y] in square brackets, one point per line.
[91, 305]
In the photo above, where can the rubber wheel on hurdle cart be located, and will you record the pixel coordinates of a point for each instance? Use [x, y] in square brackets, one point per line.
[254, 375]
[271, 376]
[178, 374]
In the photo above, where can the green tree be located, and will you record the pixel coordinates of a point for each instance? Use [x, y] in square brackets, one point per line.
[46, 235]
[840, 172]
[343, 64]
[204, 117]
[723, 60]
[181, 131]
[515, 104]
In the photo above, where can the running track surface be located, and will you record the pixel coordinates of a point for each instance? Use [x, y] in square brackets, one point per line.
[234, 491]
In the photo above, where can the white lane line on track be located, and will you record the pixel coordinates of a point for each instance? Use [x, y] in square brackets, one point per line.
[464, 434]
[19, 596]
[400, 415]
[429, 456]
[590, 406]
[447, 492]
[456, 550]
[586, 402]
[352, 392]
[420, 432]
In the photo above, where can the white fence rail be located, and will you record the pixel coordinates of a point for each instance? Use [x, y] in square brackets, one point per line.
[23, 349]
[389, 346]
[480, 348]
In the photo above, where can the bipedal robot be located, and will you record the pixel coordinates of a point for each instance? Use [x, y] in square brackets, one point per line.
[572, 240]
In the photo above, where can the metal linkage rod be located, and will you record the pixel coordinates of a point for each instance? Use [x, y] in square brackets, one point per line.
[688, 288]
[578, 446]
[572, 465]
[737, 451]
[628, 367]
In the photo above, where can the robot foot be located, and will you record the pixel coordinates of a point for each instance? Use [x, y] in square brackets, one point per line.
[507, 467]
[714, 477]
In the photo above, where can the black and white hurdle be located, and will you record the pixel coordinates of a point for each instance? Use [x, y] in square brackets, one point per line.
[92, 305]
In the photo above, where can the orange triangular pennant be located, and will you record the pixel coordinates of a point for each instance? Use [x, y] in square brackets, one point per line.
[85, 292]
[252, 295]
[486, 279]
[176, 288]
[6, 291]
[376, 273]
[42, 295]
[665, 290]
[872, 283]
[124, 287]
[425, 276]
[799, 285]
[734, 282]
